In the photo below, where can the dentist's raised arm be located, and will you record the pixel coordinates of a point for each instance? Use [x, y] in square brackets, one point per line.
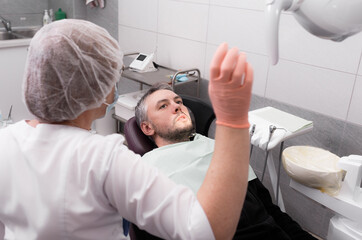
[223, 191]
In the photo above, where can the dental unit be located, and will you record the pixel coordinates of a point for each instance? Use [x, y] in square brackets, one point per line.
[270, 127]
[339, 178]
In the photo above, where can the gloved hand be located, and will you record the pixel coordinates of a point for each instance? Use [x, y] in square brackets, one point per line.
[231, 79]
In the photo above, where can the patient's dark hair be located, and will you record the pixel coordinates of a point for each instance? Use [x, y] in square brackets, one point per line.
[141, 108]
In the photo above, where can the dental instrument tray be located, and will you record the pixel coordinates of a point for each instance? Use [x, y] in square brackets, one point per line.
[273, 126]
[162, 74]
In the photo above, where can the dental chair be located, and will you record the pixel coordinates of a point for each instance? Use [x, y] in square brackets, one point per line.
[202, 116]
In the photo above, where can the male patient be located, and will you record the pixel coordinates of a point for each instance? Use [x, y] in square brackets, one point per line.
[185, 158]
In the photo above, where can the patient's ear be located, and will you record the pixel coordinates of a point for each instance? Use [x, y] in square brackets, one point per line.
[147, 129]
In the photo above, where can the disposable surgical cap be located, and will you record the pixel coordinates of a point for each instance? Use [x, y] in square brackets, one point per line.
[72, 65]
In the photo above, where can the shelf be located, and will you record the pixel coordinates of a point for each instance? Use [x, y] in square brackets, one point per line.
[161, 75]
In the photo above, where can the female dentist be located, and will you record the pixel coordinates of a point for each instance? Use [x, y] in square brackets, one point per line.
[59, 181]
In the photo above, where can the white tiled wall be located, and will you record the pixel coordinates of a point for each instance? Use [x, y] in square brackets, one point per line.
[170, 53]
[183, 19]
[196, 1]
[296, 44]
[317, 89]
[140, 14]
[135, 40]
[355, 113]
[246, 4]
[313, 73]
[241, 28]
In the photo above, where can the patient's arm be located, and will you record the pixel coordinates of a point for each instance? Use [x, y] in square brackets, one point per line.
[223, 190]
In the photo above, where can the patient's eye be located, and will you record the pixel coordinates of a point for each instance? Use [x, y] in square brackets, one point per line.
[163, 106]
[179, 102]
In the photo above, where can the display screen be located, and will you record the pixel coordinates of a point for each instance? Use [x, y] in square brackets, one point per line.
[141, 57]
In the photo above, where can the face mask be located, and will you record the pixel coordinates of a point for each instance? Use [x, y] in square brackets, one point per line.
[111, 106]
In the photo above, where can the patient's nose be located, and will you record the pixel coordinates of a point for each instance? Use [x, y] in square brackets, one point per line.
[176, 108]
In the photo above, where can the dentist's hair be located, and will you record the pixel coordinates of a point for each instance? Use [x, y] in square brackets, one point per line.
[141, 108]
[72, 66]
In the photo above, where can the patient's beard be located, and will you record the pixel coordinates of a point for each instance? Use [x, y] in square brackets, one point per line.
[175, 135]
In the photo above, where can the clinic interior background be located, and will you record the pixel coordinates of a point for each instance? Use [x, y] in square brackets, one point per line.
[315, 79]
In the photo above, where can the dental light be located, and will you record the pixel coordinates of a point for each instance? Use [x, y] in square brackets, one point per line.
[329, 19]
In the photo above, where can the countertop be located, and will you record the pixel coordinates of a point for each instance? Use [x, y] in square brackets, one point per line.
[14, 43]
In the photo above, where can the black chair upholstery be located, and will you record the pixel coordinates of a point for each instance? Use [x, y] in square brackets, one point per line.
[202, 111]
[203, 115]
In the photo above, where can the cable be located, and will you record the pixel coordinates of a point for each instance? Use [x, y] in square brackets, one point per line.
[272, 128]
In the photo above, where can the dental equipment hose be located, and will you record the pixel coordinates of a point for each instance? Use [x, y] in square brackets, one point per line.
[271, 131]
[280, 163]
[251, 135]
[264, 168]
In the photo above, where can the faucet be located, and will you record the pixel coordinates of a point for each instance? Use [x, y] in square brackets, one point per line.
[7, 24]
[5, 122]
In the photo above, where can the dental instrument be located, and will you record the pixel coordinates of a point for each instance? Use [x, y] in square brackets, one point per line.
[252, 131]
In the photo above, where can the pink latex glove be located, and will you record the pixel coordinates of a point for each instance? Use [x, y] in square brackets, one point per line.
[231, 79]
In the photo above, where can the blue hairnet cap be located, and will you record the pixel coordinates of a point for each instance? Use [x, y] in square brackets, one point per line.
[72, 65]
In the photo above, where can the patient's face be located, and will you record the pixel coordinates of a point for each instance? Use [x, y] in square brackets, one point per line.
[168, 116]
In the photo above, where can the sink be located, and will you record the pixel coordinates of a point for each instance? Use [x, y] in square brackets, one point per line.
[18, 33]
[314, 167]
[9, 36]
[26, 32]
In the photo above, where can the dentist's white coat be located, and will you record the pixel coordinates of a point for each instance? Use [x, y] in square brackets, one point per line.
[62, 182]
